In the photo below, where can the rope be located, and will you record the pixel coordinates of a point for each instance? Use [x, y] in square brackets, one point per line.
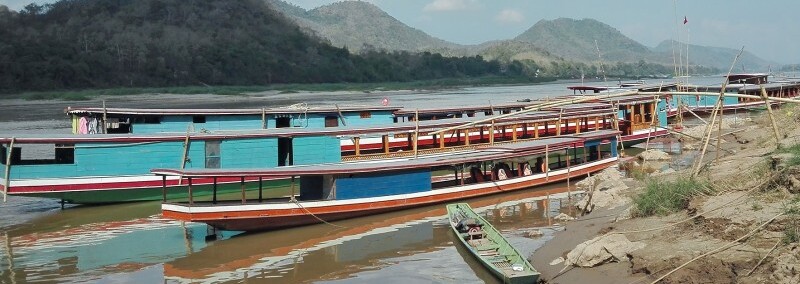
[315, 216]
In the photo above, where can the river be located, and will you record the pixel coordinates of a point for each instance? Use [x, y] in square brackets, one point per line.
[126, 243]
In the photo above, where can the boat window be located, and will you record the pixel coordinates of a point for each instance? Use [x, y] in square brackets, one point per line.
[148, 119]
[283, 122]
[199, 119]
[366, 114]
[213, 154]
[331, 121]
[40, 154]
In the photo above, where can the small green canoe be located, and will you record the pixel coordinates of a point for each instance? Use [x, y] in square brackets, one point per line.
[487, 245]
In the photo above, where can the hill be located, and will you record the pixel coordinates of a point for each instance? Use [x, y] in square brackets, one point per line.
[149, 43]
[357, 25]
[575, 40]
[718, 57]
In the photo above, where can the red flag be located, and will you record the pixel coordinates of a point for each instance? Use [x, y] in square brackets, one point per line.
[685, 20]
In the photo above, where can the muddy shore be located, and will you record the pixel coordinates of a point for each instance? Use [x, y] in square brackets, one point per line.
[743, 230]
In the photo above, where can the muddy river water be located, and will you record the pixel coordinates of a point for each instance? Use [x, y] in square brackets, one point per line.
[130, 243]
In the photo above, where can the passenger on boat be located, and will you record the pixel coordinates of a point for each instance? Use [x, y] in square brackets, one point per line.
[539, 168]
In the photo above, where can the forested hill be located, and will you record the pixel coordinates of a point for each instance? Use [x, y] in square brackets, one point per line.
[580, 39]
[357, 24]
[109, 43]
[719, 57]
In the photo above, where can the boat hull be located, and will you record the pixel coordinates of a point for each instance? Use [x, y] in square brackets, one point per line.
[122, 189]
[527, 274]
[268, 216]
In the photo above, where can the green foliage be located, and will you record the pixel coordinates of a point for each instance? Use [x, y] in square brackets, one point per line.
[795, 151]
[666, 197]
[104, 44]
[791, 232]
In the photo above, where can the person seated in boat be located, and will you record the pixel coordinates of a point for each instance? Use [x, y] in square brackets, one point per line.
[502, 171]
[539, 167]
[476, 174]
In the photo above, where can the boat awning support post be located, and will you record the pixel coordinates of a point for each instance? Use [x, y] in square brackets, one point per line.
[244, 196]
[214, 192]
[546, 162]
[9, 153]
[164, 188]
[191, 199]
[291, 196]
[569, 172]
[260, 189]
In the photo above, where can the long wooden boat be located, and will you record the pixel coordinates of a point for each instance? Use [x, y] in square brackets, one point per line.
[745, 84]
[328, 192]
[89, 168]
[488, 246]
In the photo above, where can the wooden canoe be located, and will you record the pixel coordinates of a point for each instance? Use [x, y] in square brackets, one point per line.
[487, 245]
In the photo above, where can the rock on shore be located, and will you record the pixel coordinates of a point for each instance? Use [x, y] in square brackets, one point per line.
[602, 249]
[605, 189]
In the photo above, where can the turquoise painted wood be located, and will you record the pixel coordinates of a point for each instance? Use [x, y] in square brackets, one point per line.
[315, 149]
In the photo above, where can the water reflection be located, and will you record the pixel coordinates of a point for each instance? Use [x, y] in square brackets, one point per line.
[88, 243]
[387, 247]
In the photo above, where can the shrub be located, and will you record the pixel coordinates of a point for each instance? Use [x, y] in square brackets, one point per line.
[665, 197]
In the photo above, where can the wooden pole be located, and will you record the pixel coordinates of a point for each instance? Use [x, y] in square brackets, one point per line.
[416, 133]
[341, 116]
[191, 198]
[105, 117]
[291, 196]
[514, 133]
[709, 128]
[385, 140]
[771, 117]
[214, 192]
[569, 190]
[260, 189]
[546, 162]
[491, 134]
[9, 152]
[357, 145]
[241, 184]
[164, 188]
[185, 153]
[536, 130]
[263, 118]
[558, 125]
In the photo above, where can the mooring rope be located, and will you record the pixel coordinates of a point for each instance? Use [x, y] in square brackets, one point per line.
[315, 216]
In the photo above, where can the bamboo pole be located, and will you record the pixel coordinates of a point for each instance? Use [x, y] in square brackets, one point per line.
[694, 114]
[341, 116]
[771, 117]
[709, 128]
[9, 152]
[185, 153]
[491, 134]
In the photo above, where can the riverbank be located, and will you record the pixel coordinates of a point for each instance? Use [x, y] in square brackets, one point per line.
[738, 223]
[84, 95]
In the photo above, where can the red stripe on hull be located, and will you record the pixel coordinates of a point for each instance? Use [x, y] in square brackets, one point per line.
[255, 220]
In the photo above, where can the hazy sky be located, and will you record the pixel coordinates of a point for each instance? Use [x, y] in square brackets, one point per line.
[769, 29]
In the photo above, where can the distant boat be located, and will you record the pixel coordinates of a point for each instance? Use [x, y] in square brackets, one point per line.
[488, 246]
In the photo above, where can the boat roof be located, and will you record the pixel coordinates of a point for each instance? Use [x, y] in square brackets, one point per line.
[500, 151]
[226, 111]
[343, 131]
[464, 109]
[769, 86]
[629, 100]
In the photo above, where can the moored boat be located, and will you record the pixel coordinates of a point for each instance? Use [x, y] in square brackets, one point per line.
[329, 192]
[489, 246]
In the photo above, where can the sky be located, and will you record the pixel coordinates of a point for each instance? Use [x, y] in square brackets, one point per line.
[769, 29]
